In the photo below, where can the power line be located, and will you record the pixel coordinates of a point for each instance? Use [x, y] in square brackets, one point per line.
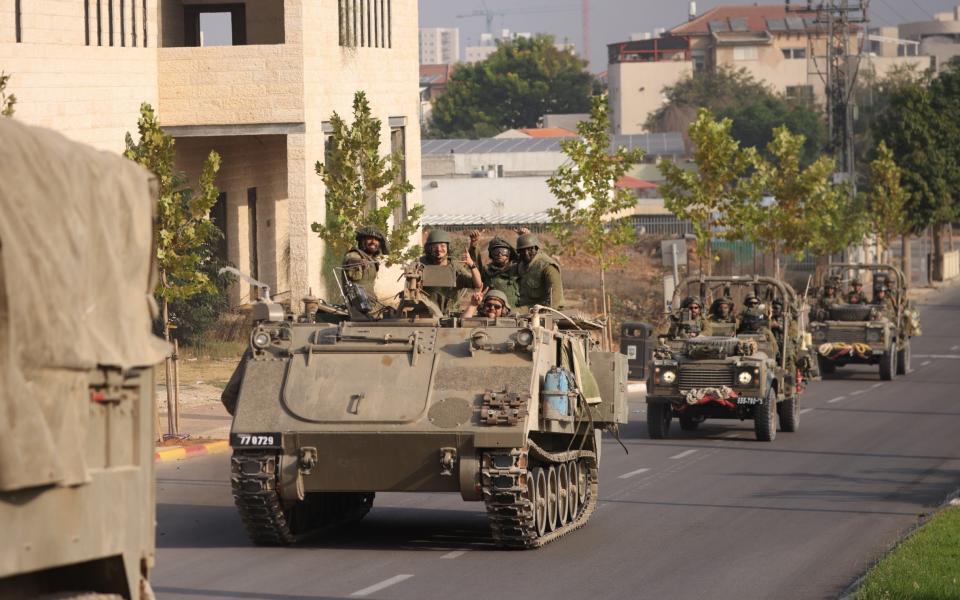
[925, 11]
[902, 18]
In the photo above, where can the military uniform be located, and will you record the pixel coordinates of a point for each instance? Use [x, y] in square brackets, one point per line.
[506, 278]
[448, 298]
[361, 269]
[540, 281]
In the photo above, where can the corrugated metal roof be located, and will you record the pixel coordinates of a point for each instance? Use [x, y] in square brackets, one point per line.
[510, 219]
[660, 144]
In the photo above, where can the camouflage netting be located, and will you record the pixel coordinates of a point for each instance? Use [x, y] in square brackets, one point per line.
[75, 281]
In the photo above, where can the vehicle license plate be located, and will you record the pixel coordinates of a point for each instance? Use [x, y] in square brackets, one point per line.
[255, 440]
[749, 400]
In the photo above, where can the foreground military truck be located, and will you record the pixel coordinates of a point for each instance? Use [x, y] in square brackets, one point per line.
[719, 373]
[868, 334]
[76, 366]
[506, 411]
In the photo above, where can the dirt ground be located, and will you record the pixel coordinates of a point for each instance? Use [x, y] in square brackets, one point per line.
[202, 379]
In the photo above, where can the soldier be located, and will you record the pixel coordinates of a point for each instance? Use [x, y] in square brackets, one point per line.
[361, 264]
[466, 273]
[887, 306]
[856, 295]
[692, 327]
[828, 298]
[540, 281]
[491, 305]
[722, 311]
[501, 272]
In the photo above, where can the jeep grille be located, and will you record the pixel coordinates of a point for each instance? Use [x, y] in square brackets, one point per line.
[837, 334]
[699, 377]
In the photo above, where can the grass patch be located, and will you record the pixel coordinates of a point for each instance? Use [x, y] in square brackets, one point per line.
[926, 565]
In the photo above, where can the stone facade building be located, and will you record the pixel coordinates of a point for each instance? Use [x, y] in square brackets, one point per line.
[262, 99]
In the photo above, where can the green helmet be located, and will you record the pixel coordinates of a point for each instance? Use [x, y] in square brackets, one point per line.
[497, 294]
[499, 242]
[375, 233]
[855, 281]
[527, 240]
[751, 297]
[438, 236]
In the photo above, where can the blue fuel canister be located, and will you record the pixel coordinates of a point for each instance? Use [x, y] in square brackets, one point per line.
[555, 394]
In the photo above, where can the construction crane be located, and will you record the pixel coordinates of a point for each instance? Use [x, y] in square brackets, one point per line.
[489, 14]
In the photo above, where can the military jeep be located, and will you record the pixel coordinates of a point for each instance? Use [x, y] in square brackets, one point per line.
[868, 334]
[720, 373]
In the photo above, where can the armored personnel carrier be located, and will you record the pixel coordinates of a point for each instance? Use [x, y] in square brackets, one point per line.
[740, 369]
[506, 411]
[876, 332]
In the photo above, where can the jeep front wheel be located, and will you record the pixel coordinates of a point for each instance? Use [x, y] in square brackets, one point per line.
[658, 420]
[888, 363]
[903, 358]
[765, 418]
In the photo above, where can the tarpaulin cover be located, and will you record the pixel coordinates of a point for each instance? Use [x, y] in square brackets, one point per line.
[75, 281]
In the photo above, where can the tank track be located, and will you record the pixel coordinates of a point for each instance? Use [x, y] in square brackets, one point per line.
[510, 512]
[268, 521]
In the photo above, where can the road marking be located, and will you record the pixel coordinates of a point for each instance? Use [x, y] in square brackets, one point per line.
[925, 363]
[379, 586]
[947, 356]
[455, 553]
[955, 348]
[805, 411]
[837, 399]
[636, 387]
[732, 434]
[683, 454]
[875, 386]
[857, 392]
[632, 473]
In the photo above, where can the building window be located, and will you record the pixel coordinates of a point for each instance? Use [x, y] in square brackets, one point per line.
[398, 144]
[133, 23]
[218, 215]
[18, 21]
[907, 49]
[745, 53]
[110, 20]
[252, 232]
[215, 25]
[793, 53]
[365, 23]
[145, 24]
[123, 25]
[800, 93]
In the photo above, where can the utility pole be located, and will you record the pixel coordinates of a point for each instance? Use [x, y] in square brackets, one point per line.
[838, 70]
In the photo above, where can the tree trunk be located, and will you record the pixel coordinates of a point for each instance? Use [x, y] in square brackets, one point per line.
[168, 364]
[603, 300]
[936, 266]
[905, 257]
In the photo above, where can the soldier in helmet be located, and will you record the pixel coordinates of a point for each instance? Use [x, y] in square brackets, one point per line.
[693, 325]
[540, 281]
[856, 295]
[492, 304]
[466, 272]
[886, 304]
[361, 264]
[500, 273]
[722, 311]
[828, 298]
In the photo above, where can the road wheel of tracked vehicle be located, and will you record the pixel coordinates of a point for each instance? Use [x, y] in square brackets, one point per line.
[573, 473]
[582, 483]
[888, 363]
[765, 418]
[788, 412]
[903, 359]
[563, 494]
[689, 422]
[826, 366]
[658, 420]
[552, 498]
[540, 499]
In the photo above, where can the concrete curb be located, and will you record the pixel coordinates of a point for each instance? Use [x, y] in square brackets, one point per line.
[174, 453]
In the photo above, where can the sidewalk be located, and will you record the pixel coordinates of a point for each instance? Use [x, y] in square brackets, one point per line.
[204, 423]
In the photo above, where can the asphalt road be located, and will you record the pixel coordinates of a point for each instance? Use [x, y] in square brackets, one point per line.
[708, 514]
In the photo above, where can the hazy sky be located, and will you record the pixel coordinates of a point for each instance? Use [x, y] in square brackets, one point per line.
[614, 20]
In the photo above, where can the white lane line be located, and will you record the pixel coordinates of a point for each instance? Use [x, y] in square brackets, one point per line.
[805, 411]
[455, 554]
[632, 473]
[858, 392]
[875, 386]
[947, 356]
[835, 400]
[683, 454]
[379, 586]
[955, 348]
[925, 363]
[732, 434]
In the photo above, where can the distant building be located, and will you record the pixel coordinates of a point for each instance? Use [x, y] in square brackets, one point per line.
[779, 48]
[939, 39]
[260, 93]
[433, 82]
[536, 132]
[488, 45]
[504, 181]
[439, 45]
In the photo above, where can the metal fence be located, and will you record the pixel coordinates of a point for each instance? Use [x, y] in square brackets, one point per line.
[668, 225]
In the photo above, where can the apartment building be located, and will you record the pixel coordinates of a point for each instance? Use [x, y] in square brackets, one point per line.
[255, 80]
[782, 49]
[439, 45]
[939, 38]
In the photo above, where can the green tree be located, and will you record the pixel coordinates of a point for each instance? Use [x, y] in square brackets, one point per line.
[588, 199]
[6, 100]
[515, 86]
[364, 188]
[752, 106]
[886, 201]
[719, 187]
[800, 210]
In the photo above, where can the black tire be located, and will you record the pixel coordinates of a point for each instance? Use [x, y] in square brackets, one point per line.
[658, 420]
[765, 418]
[788, 413]
[903, 359]
[826, 366]
[688, 423]
[888, 363]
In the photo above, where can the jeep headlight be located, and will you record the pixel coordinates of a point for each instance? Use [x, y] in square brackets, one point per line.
[261, 340]
[668, 376]
[874, 334]
[745, 377]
